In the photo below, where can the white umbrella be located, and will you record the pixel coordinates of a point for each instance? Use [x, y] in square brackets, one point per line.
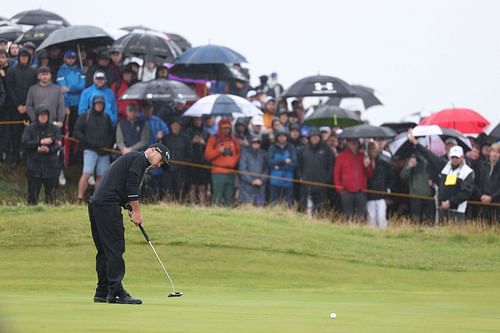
[224, 105]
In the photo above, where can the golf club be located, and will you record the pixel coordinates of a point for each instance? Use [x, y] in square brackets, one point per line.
[174, 293]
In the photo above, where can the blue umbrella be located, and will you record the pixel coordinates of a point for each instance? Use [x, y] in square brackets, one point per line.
[210, 54]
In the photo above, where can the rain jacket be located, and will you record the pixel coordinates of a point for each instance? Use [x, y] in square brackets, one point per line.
[95, 130]
[18, 81]
[278, 167]
[73, 78]
[109, 99]
[349, 173]
[37, 164]
[254, 161]
[227, 159]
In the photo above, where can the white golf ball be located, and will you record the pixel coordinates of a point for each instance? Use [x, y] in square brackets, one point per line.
[333, 315]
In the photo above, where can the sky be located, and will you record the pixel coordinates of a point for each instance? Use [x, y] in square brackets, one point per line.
[423, 55]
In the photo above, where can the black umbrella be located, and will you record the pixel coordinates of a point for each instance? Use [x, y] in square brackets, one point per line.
[131, 28]
[181, 41]
[10, 32]
[160, 90]
[366, 94]
[320, 85]
[329, 115]
[38, 33]
[39, 16]
[366, 131]
[494, 134]
[76, 36]
[147, 44]
[400, 127]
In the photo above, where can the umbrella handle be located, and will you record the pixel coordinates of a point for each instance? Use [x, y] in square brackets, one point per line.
[79, 55]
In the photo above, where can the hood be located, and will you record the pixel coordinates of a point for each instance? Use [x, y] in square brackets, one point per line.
[223, 122]
[41, 109]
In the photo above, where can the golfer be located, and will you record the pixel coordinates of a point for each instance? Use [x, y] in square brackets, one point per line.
[119, 187]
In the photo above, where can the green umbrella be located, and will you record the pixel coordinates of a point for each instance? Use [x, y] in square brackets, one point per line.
[333, 116]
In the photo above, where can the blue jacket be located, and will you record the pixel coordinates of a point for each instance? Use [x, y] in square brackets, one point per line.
[74, 79]
[155, 125]
[110, 107]
[278, 167]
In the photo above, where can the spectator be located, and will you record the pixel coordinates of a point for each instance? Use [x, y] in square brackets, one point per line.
[55, 60]
[5, 106]
[19, 79]
[48, 94]
[132, 133]
[41, 141]
[298, 109]
[275, 89]
[148, 72]
[198, 177]
[253, 160]
[4, 44]
[43, 59]
[116, 58]
[283, 118]
[103, 65]
[14, 54]
[351, 172]
[487, 186]
[456, 181]
[256, 128]
[120, 87]
[293, 119]
[223, 151]
[95, 131]
[162, 72]
[282, 164]
[181, 149]
[269, 112]
[99, 88]
[241, 132]
[72, 82]
[417, 173]
[315, 164]
[381, 181]
[295, 136]
[325, 133]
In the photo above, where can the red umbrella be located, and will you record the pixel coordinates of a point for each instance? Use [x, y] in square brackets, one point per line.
[466, 121]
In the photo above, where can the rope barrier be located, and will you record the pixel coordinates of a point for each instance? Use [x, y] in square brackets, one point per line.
[266, 176]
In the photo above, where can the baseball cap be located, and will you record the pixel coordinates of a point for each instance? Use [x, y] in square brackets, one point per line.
[163, 150]
[257, 121]
[70, 54]
[313, 131]
[456, 151]
[255, 138]
[251, 93]
[325, 129]
[99, 75]
[98, 99]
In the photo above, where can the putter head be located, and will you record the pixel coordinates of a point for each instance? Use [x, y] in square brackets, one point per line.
[175, 294]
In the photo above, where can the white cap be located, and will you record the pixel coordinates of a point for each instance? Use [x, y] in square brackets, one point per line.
[251, 93]
[325, 129]
[257, 104]
[257, 121]
[456, 151]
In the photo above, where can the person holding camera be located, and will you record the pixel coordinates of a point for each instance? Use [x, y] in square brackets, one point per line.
[223, 151]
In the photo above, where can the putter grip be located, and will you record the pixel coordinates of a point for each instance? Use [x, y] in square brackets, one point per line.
[144, 233]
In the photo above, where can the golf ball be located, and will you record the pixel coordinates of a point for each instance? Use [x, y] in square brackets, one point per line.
[333, 315]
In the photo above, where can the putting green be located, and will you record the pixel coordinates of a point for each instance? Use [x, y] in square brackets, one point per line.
[249, 271]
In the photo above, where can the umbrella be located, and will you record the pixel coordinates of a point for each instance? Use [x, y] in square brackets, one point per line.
[181, 41]
[223, 105]
[210, 54]
[208, 72]
[366, 131]
[147, 43]
[39, 16]
[320, 85]
[435, 139]
[329, 115]
[76, 36]
[10, 32]
[38, 33]
[400, 127]
[366, 94]
[131, 28]
[466, 121]
[493, 133]
[160, 90]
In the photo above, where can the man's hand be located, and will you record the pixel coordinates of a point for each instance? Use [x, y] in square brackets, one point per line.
[67, 111]
[136, 217]
[46, 141]
[288, 161]
[124, 150]
[64, 89]
[43, 149]
[159, 135]
[486, 198]
[257, 182]
[411, 138]
[412, 162]
[366, 161]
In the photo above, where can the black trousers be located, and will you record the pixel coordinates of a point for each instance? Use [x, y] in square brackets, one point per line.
[106, 222]
[422, 211]
[318, 196]
[34, 186]
[353, 204]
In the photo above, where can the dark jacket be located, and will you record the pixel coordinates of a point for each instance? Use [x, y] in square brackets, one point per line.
[383, 178]
[181, 149]
[487, 181]
[42, 165]
[19, 79]
[95, 130]
[315, 163]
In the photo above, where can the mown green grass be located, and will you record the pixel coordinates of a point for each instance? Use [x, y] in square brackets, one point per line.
[250, 270]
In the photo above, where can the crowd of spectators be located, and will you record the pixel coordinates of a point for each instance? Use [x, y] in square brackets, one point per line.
[263, 160]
